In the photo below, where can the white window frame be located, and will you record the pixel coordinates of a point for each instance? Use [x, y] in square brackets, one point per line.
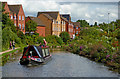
[22, 17]
[23, 26]
[76, 32]
[11, 17]
[14, 17]
[76, 27]
[19, 17]
[20, 26]
[14, 24]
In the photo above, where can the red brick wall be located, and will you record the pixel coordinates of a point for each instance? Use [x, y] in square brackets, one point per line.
[48, 24]
[6, 7]
[77, 30]
[22, 22]
[70, 32]
[41, 31]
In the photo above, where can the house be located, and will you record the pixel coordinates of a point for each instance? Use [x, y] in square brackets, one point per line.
[16, 14]
[40, 26]
[68, 17]
[76, 28]
[64, 24]
[70, 29]
[52, 22]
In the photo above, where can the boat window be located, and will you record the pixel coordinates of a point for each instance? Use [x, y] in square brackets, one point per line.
[43, 52]
[47, 52]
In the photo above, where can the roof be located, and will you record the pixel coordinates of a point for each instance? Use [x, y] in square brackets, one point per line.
[76, 24]
[38, 50]
[14, 8]
[48, 16]
[67, 16]
[4, 2]
[51, 14]
[64, 18]
[37, 20]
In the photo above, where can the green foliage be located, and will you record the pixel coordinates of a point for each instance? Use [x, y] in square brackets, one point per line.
[31, 26]
[29, 40]
[7, 36]
[40, 40]
[65, 36]
[97, 45]
[95, 24]
[54, 40]
[83, 23]
[6, 22]
[22, 36]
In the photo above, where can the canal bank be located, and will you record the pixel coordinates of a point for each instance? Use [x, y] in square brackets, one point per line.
[63, 64]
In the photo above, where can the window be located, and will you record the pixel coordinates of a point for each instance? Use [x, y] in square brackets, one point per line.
[23, 26]
[76, 32]
[58, 22]
[22, 17]
[14, 17]
[11, 17]
[76, 27]
[62, 28]
[19, 17]
[43, 52]
[14, 24]
[19, 26]
[47, 52]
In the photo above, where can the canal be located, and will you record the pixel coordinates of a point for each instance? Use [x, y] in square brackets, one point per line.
[63, 64]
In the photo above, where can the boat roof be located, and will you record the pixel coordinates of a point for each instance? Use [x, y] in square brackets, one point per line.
[38, 50]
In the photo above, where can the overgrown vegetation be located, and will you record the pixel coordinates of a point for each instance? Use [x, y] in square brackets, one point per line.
[96, 44]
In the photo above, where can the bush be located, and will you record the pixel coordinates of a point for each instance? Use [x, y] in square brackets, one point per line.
[65, 36]
[54, 40]
[7, 36]
[40, 40]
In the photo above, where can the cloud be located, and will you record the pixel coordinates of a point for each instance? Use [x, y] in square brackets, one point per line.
[91, 12]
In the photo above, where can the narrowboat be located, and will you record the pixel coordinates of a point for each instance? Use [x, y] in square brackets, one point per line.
[35, 55]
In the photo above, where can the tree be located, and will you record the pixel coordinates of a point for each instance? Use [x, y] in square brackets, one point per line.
[7, 36]
[83, 23]
[65, 36]
[6, 22]
[95, 24]
[31, 26]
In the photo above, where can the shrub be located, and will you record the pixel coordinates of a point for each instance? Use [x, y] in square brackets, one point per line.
[54, 40]
[65, 36]
[40, 39]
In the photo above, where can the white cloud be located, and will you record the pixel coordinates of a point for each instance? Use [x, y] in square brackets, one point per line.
[89, 12]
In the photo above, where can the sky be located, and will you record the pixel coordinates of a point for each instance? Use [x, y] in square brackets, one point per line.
[89, 10]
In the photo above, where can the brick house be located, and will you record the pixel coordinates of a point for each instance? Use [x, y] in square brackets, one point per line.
[40, 25]
[76, 30]
[70, 29]
[52, 22]
[7, 10]
[16, 14]
[68, 17]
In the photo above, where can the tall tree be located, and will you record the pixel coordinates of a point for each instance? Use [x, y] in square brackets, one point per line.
[95, 24]
[31, 26]
[83, 23]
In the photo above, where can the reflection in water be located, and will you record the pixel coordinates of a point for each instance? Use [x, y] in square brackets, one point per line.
[63, 64]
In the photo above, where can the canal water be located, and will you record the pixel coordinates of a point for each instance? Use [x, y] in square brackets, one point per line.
[63, 64]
